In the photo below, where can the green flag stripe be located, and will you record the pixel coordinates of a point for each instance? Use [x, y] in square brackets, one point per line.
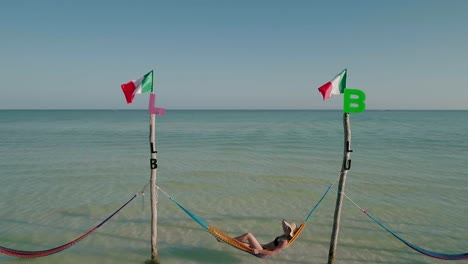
[147, 83]
[342, 84]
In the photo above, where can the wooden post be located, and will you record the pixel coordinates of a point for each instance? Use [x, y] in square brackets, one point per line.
[341, 186]
[154, 194]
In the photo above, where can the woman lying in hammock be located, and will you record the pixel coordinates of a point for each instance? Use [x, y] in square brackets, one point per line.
[274, 246]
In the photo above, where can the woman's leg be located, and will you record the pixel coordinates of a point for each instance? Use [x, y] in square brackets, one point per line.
[250, 239]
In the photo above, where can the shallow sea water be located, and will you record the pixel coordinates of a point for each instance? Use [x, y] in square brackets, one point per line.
[63, 172]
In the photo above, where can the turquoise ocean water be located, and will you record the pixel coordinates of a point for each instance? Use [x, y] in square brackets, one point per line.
[62, 172]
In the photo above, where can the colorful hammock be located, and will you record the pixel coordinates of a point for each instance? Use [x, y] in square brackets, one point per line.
[432, 254]
[47, 252]
[223, 237]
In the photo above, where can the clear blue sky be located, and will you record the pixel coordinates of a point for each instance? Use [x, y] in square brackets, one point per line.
[219, 54]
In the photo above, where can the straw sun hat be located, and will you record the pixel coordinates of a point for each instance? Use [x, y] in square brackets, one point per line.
[289, 228]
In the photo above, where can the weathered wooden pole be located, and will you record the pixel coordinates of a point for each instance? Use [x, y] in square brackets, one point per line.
[341, 186]
[154, 193]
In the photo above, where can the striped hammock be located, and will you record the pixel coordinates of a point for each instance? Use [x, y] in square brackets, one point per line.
[432, 254]
[42, 253]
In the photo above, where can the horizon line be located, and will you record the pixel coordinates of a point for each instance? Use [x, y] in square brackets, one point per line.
[215, 109]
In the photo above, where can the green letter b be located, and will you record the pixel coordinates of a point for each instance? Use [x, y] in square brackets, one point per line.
[354, 101]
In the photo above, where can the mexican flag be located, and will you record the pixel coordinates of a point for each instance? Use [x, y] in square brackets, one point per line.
[335, 86]
[142, 85]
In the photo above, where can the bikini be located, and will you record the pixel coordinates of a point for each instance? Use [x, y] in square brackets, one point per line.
[280, 238]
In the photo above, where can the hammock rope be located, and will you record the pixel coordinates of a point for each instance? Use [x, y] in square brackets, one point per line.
[224, 237]
[47, 252]
[432, 254]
